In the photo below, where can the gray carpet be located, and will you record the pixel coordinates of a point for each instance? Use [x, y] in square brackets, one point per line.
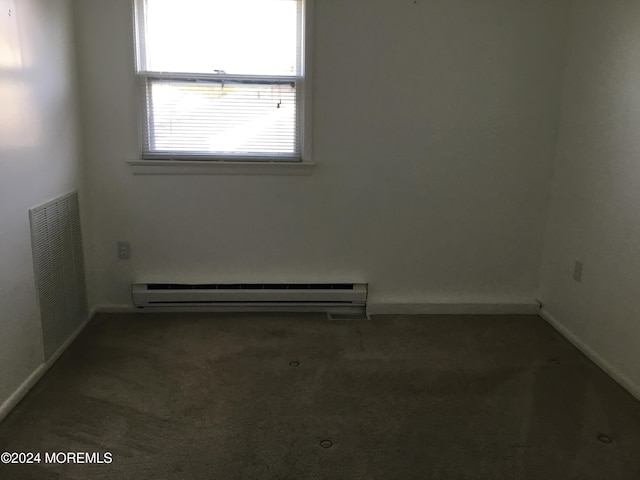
[424, 397]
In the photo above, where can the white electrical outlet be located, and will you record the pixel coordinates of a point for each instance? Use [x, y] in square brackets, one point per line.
[124, 250]
[577, 271]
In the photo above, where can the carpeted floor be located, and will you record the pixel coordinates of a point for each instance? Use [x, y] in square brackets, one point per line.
[260, 396]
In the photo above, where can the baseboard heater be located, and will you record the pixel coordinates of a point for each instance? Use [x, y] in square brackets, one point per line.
[347, 297]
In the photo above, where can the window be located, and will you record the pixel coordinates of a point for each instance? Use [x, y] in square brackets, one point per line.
[222, 79]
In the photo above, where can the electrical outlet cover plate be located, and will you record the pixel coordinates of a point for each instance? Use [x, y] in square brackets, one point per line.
[577, 271]
[124, 250]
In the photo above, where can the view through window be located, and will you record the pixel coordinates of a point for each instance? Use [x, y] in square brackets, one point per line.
[222, 78]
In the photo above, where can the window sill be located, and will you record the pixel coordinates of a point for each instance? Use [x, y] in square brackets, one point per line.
[172, 167]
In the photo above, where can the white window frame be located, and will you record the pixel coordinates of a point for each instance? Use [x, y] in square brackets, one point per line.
[231, 164]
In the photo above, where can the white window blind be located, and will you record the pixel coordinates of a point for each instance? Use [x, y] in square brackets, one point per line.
[222, 78]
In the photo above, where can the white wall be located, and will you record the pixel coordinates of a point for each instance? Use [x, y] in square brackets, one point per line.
[434, 130]
[595, 209]
[39, 160]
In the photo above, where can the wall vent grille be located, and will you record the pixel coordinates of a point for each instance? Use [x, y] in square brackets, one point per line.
[59, 269]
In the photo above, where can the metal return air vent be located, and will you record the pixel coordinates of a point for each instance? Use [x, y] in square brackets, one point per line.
[253, 296]
[59, 269]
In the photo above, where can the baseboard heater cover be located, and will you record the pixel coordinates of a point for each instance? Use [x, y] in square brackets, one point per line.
[251, 295]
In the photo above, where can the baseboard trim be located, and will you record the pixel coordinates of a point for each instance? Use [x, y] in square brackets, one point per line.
[381, 308]
[375, 308]
[117, 309]
[38, 373]
[93, 312]
[613, 372]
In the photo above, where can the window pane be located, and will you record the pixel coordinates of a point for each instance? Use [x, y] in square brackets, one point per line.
[243, 37]
[216, 117]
